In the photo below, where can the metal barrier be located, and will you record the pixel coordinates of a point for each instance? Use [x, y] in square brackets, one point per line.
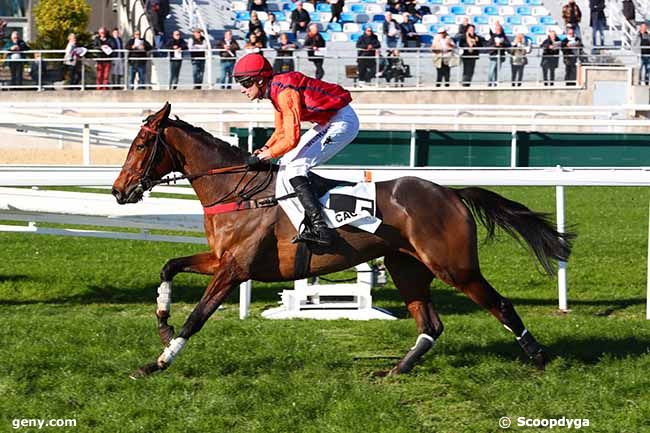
[44, 70]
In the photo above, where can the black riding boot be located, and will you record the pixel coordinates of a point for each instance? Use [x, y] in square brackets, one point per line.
[319, 232]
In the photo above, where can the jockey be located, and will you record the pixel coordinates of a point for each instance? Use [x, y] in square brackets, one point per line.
[297, 98]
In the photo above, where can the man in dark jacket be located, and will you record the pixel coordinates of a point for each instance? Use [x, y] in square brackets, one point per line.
[177, 46]
[17, 47]
[367, 46]
[410, 37]
[598, 22]
[643, 41]
[470, 42]
[105, 45]
[571, 14]
[499, 43]
[392, 30]
[299, 19]
[550, 57]
[571, 53]
[315, 42]
[228, 52]
[139, 49]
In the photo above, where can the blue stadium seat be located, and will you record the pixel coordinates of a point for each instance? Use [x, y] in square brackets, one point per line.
[335, 27]
[326, 36]
[355, 37]
[507, 28]
[324, 7]
[435, 2]
[490, 10]
[313, 16]
[361, 18]
[524, 11]
[426, 40]
[377, 27]
[288, 7]
[273, 7]
[243, 16]
[534, 2]
[379, 18]
[548, 21]
[457, 10]
[514, 20]
[500, 2]
[538, 30]
[433, 29]
[467, 2]
[481, 20]
[447, 19]
[357, 8]
[347, 17]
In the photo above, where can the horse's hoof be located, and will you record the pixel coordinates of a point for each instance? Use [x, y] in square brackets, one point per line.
[540, 360]
[145, 371]
[166, 334]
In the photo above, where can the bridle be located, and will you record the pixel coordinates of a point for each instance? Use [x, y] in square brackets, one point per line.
[248, 190]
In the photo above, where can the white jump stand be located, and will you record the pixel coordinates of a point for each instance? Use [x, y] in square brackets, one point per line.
[330, 301]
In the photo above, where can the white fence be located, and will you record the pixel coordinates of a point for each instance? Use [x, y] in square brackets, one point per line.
[152, 211]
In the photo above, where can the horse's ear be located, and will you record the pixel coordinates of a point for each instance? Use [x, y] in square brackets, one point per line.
[161, 115]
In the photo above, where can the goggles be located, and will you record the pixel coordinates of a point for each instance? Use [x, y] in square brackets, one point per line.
[247, 82]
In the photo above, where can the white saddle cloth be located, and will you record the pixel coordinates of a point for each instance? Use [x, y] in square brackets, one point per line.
[353, 205]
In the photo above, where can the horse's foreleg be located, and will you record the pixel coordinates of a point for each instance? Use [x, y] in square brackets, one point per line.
[226, 276]
[203, 263]
[413, 278]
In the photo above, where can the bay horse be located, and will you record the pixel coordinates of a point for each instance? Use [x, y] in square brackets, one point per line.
[427, 231]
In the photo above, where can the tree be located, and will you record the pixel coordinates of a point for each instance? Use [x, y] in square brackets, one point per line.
[55, 19]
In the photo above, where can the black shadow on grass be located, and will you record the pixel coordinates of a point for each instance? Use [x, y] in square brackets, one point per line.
[10, 278]
[588, 351]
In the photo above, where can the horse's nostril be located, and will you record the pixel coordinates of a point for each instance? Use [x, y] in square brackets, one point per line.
[115, 193]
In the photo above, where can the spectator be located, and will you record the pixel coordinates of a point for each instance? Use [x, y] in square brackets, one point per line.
[367, 46]
[550, 57]
[443, 55]
[392, 30]
[198, 47]
[470, 43]
[284, 55]
[316, 45]
[261, 37]
[257, 5]
[518, 58]
[272, 29]
[254, 24]
[598, 21]
[3, 24]
[395, 6]
[176, 45]
[410, 6]
[396, 69]
[299, 19]
[254, 45]
[499, 43]
[72, 60]
[155, 10]
[421, 11]
[629, 12]
[117, 70]
[410, 38]
[16, 65]
[138, 49]
[228, 52]
[105, 44]
[643, 41]
[571, 53]
[337, 8]
[571, 14]
[461, 30]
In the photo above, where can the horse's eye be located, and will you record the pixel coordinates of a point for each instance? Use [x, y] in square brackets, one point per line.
[139, 147]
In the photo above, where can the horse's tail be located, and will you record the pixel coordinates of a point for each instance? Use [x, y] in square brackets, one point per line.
[519, 222]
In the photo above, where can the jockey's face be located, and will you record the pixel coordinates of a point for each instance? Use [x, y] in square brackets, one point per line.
[255, 91]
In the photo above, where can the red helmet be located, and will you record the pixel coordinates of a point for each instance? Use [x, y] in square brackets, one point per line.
[252, 66]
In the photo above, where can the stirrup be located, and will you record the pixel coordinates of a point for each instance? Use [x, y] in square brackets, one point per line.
[323, 237]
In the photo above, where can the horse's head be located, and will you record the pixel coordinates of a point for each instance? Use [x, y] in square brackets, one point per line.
[148, 160]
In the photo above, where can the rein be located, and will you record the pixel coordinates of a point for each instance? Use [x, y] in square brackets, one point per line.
[244, 195]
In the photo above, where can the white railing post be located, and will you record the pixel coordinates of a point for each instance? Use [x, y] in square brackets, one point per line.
[85, 144]
[513, 148]
[561, 272]
[412, 147]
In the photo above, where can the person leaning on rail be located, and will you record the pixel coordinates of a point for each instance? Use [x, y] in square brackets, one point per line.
[298, 98]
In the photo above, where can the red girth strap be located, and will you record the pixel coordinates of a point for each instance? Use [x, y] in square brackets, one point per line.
[237, 206]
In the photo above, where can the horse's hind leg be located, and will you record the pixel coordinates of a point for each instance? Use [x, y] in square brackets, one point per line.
[413, 278]
[203, 263]
[482, 293]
